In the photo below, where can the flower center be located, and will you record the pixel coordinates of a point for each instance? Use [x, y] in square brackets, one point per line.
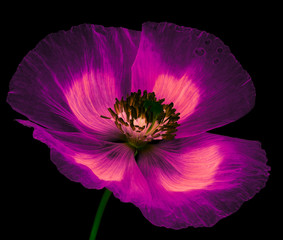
[143, 118]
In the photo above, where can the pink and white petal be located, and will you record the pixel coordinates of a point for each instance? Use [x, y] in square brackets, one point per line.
[71, 77]
[81, 158]
[199, 180]
[95, 164]
[197, 72]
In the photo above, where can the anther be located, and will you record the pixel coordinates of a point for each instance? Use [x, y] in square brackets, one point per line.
[114, 115]
[105, 117]
[123, 122]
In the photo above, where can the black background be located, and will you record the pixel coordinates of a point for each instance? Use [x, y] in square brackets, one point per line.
[40, 203]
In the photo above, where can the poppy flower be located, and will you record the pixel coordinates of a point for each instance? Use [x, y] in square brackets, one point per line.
[130, 111]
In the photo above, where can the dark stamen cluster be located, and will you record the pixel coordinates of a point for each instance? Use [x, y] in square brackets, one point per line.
[144, 118]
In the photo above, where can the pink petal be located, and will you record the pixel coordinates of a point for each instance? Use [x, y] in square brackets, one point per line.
[83, 159]
[199, 180]
[95, 164]
[71, 77]
[195, 71]
[109, 163]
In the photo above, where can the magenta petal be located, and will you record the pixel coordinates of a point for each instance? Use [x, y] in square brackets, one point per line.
[195, 71]
[96, 164]
[71, 77]
[199, 180]
[81, 158]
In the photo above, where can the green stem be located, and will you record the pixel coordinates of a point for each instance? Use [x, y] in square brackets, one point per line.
[99, 214]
